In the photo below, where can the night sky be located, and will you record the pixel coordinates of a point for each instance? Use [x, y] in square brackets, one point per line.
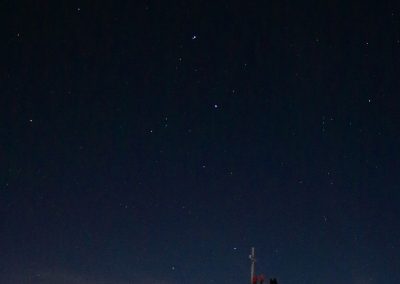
[157, 141]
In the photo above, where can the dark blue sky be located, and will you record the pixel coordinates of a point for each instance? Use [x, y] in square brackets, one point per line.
[157, 141]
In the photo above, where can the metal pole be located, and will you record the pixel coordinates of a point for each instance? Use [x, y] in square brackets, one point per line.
[253, 262]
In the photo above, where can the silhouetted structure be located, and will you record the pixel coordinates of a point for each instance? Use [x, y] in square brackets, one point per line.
[260, 279]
